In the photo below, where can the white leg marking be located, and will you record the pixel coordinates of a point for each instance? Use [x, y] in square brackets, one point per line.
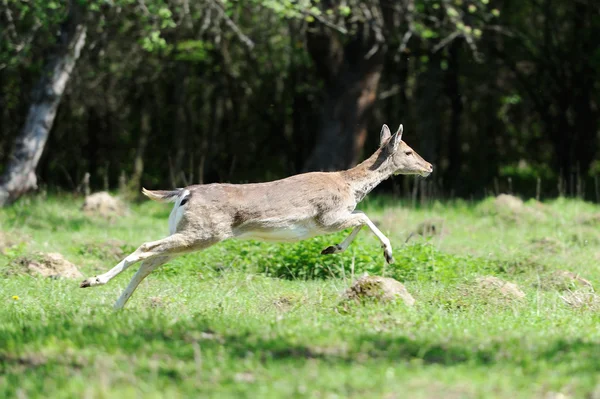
[359, 219]
[145, 251]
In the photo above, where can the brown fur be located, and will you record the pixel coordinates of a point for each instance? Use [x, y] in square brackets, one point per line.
[289, 209]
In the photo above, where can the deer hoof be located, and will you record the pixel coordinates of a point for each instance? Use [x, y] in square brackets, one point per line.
[90, 282]
[332, 249]
[388, 256]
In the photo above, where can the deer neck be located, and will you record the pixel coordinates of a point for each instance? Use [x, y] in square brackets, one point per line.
[364, 177]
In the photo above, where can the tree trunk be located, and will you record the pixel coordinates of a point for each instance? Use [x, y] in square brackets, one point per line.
[19, 175]
[350, 68]
[429, 107]
[180, 124]
[453, 93]
[135, 182]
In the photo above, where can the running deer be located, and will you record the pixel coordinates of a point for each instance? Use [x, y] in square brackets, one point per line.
[287, 210]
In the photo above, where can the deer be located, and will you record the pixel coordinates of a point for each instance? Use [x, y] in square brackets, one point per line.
[287, 210]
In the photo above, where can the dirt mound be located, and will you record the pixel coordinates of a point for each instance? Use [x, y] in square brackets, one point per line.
[512, 208]
[382, 289]
[582, 299]
[50, 265]
[432, 228]
[567, 280]
[495, 285]
[506, 202]
[589, 219]
[103, 204]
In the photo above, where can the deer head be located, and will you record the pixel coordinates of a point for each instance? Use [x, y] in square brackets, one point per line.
[405, 160]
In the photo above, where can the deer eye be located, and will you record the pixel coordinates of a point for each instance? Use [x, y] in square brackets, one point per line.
[407, 153]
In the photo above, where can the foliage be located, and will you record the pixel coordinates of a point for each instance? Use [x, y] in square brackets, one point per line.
[223, 84]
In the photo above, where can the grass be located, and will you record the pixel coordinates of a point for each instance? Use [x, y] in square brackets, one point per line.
[256, 320]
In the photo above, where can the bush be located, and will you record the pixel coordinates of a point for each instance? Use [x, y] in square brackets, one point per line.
[412, 262]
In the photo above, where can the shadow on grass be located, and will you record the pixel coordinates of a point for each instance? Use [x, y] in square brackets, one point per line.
[148, 336]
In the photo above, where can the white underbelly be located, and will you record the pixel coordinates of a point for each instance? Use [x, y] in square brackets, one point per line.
[296, 232]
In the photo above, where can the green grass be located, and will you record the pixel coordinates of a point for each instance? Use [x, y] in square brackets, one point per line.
[256, 320]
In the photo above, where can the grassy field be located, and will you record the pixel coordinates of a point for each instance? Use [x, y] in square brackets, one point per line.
[248, 319]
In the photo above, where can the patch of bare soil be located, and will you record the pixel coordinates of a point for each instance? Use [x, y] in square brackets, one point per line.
[155, 302]
[493, 284]
[49, 265]
[104, 205]
[283, 303]
[380, 289]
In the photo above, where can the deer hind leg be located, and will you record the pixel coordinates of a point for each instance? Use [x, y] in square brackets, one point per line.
[156, 254]
[147, 267]
[174, 244]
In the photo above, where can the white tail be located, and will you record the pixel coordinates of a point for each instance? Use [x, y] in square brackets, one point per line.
[163, 195]
[290, 209]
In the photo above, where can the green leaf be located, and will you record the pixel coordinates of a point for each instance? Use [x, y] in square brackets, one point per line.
[345, 10]
[451, 11]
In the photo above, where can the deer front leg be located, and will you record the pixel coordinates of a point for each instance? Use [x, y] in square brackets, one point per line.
[358, 219]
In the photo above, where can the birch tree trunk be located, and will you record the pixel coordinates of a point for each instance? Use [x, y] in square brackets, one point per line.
[19, 174]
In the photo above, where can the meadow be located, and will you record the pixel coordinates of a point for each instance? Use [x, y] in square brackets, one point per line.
[257, 320]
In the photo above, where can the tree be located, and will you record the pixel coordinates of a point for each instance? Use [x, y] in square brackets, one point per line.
[19, 176]
[349, 57]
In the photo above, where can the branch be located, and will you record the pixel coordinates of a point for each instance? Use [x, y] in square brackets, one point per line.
[473, 47]
[327, 23]
[395, 89]
[405, 40]
[243, 38]
[11, 23]
[446, 41]
[499, 29]
[143, 7]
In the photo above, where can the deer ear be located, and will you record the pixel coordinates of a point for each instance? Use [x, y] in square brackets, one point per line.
[397, 137]
[385, 135]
